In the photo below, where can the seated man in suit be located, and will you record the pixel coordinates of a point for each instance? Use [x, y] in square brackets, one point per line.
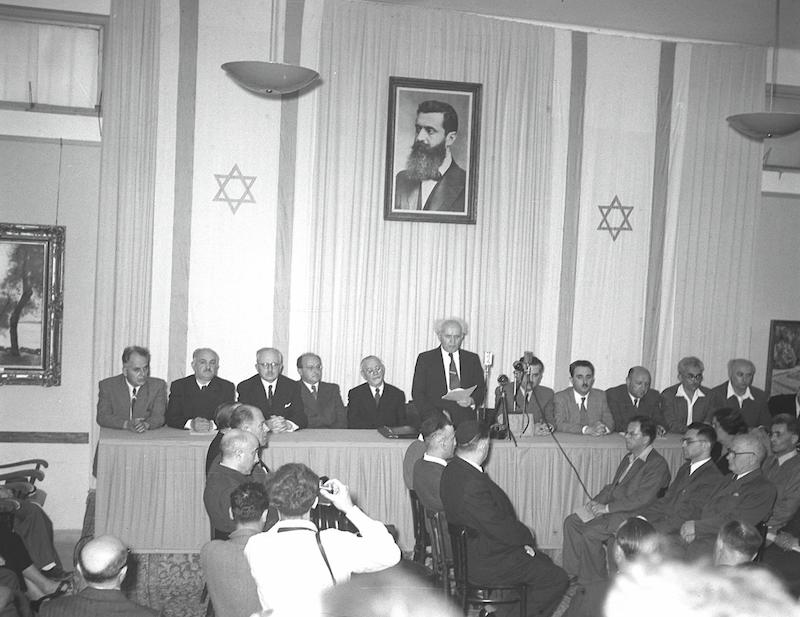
[581, 408]
[739, 393]
[277, 396]
[237, 465]
[640, 478]
[133, 400]
[782, 556]
[737, 544]
[635, 398]
[694, 482]
[194, 399]
[785, 403]
[237, 416]
[322, 401]
[375, 403]
[526, 395]
[501, 550]
[439, 446]
[744, 495]
[686, 401]
[230, 585]
[782, 468]
[446, 368]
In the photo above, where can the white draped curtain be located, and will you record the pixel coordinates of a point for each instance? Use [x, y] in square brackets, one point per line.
[127, 180]
[363, 285]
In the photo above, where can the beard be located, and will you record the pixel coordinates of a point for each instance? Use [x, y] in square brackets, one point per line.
[424, 161]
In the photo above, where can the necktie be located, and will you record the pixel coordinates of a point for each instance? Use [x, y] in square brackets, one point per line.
[314, 391]
[636, 403]
[204, 388]
[133, 400]
[584, 417]
[454, 381]
[377, 397]
[269, 394]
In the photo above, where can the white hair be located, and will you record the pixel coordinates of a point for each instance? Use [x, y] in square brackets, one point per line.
[439, 324]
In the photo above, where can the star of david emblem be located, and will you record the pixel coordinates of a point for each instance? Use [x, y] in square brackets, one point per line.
[235, 176]
[624, 212]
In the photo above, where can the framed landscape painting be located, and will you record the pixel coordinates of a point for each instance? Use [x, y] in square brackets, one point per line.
[31, 304]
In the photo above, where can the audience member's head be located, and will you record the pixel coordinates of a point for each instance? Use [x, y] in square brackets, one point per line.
[472, 441]
[640, 434]
[249, 418]
[737, 543]
[103, 562]
[635, 537]
[249, 503]
[239, 450]
[746, 453]
[783, 434]
[698, 440]
[293, 490]
[673, 589]
[222, 416]
[728, 423]
[439, 436]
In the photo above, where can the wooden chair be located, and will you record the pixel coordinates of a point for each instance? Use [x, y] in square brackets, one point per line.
[474, 594]
[442, 560]
[422, 540]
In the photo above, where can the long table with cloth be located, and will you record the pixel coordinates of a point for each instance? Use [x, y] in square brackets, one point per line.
[150, 485]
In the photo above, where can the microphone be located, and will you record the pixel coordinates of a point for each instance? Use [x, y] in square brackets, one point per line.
[502, 380]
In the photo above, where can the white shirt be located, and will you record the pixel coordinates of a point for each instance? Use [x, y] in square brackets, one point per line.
[785, 457]
[427, 186]
[446, 364]
[695, 466]
[698, 393]
[478, 467]
[747, 394]
[375, 388]
[290, 572]
[434, 459]
[267, 384]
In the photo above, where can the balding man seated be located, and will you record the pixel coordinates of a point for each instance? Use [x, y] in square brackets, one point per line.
[739, 394]
[737, 544]
[103, 564]
[375, 403]
[194, 399]
[235, 415]
[635, 398]
[744, 495]
[240, 451]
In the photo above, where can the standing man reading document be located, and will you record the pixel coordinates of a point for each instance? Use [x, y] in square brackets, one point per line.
[445, 369]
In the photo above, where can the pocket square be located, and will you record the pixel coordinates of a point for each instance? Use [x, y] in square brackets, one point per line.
[736, 494]
[287, 405]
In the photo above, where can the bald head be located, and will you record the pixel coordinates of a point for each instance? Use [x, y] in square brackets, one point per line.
[638, 381]
[102, 562]
[236, 440]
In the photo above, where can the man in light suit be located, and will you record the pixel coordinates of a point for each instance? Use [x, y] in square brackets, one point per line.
[581, 408]
[641, 476]
[375, 403]
[635, 398]
[133, 400]
[745, 495]
[446, 368]
[527, 395]
[695, 481]
[501, 549]
[687, 401]
[194, 399]
[739, 393]
[277, 396]
[432, 180]
[322, 402]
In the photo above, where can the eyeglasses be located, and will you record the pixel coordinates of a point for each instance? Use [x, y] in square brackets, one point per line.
[269, 364]
[686, 441]
[629, 434]
[374, 371]
[735, 454]
[693, 377]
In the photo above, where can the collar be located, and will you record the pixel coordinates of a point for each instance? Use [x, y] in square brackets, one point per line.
[785, 457]
[742, 475]
[266, 383]
[478, 467]
[435, 459]
[698, 393]
[695, 466]
[446, 355]
[130, 387]
[448, 159]
[381, 385]
[643, 454]
[745, 396]
[579, 396]
[308, 385]
[200, 385]
[633, 398]
[293, 523]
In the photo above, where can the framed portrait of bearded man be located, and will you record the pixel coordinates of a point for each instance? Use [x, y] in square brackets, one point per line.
[432, 145]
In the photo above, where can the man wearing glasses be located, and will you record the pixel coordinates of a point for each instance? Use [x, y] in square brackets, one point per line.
[375, 403]
[694, 482]
[745, 495]
[277, 396]
[686, 401]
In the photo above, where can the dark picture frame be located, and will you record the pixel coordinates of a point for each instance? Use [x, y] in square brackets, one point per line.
[453, 199]
[783, 358]
[31, 304]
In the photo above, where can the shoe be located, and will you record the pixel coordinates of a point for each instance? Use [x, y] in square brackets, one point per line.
[56, 573]
[63, 588]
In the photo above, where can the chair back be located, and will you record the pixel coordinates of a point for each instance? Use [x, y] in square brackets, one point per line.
[439, 537]
[421, 538]
[458, 540]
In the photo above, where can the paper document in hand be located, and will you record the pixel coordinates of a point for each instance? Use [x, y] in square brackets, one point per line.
[459, 394]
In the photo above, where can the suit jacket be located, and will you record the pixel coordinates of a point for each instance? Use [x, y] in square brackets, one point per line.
[114, 402]
[325, 411]
[786, 479]
[539, 404]
[413, 453]
[496, 553]
[230, 585]
[286, 399]
[639, 487]
[754, 411]
[362, 413]
[447, 195]
[220, 483]
[675, 408]
[430, 385]
[92, 602]
[783, 403]
[187, 401]
[427, 484]
[747, 499]
[568, 413]
[685, 497]
[619, 401]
